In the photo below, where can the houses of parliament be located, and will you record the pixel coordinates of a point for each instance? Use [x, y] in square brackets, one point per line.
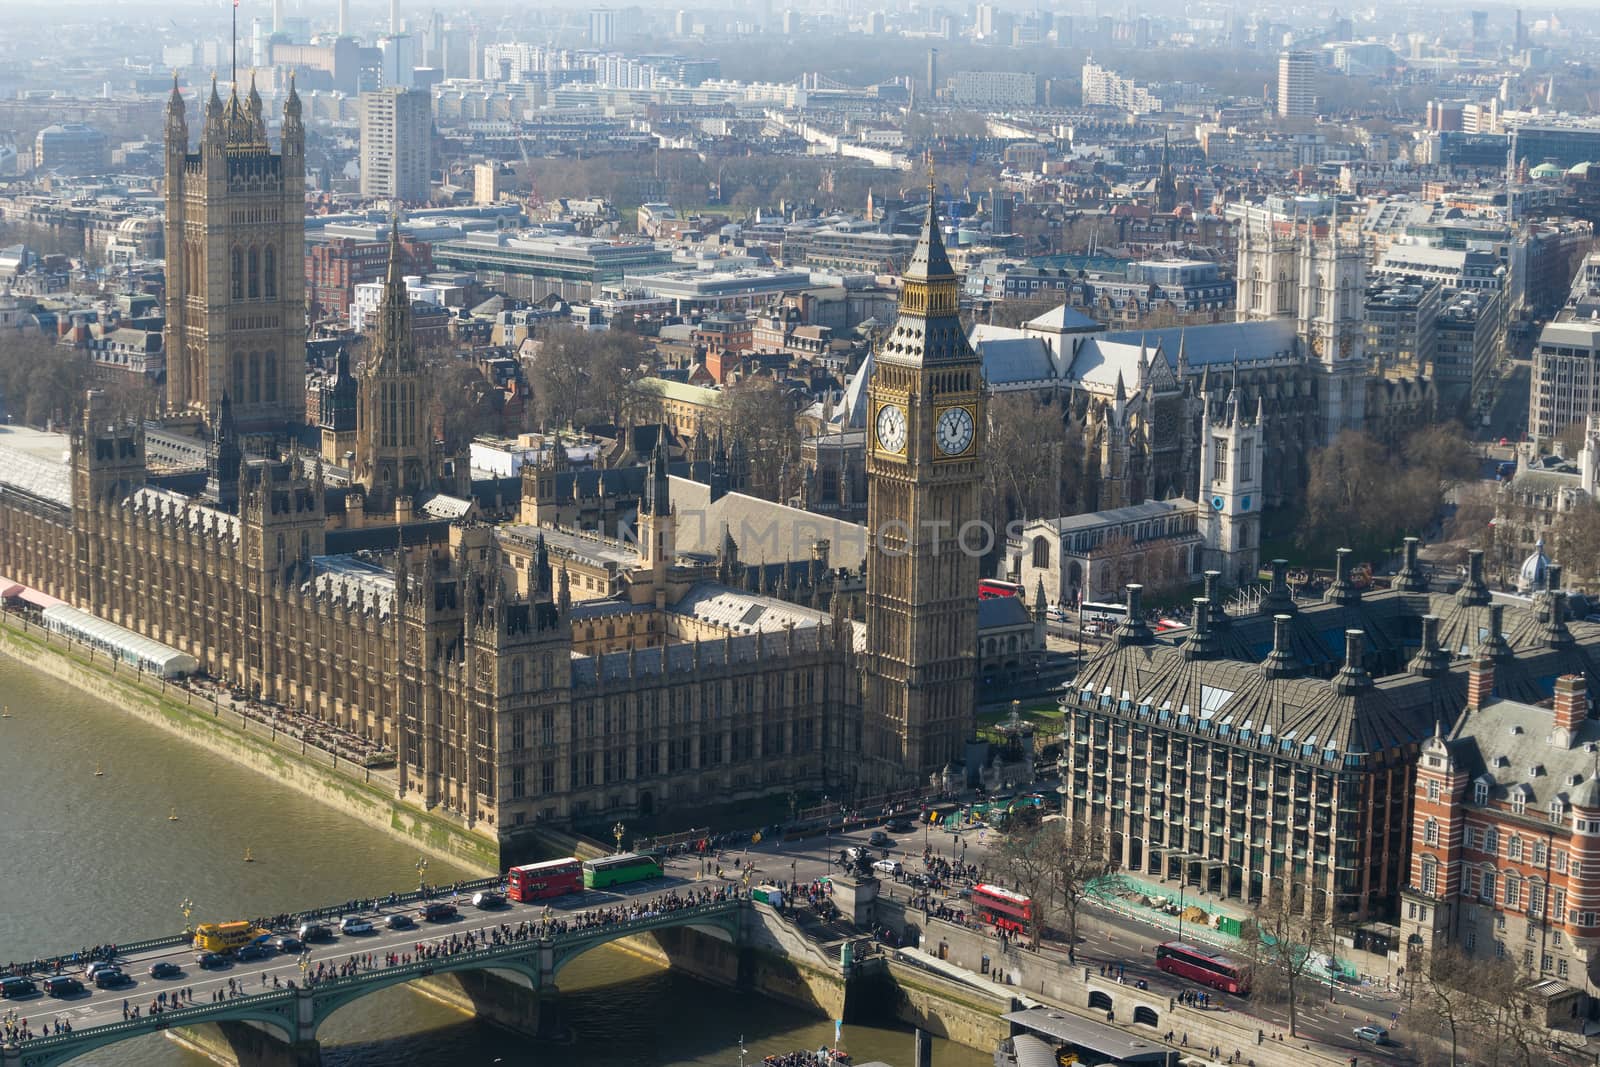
[513, 690]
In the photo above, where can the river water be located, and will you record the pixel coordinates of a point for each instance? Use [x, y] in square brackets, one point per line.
[87, 858]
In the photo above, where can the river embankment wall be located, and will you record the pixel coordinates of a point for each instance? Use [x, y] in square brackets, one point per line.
[340, 784]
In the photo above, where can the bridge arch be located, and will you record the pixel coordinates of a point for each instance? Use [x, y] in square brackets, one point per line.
[275, 1015]
[330, 996]
[1147, 1015]
[724, 927]
[1099, 998]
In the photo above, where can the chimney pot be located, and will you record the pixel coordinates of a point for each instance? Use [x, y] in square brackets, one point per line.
[1571, 704]
[1480, 682]
[1354, 640]
[1475, 565]
[1202, 615]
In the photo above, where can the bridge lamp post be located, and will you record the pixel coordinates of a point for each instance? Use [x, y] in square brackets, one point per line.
[304, 963]
[617, 831]
[422, 866]
[187, 907]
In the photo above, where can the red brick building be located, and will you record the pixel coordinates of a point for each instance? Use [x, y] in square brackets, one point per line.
[1505, 857]
[334, 269]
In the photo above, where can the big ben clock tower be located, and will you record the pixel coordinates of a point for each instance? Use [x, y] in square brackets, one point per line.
[926, 423]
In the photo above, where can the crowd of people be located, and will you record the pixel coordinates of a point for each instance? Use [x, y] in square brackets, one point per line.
[15, 1028]
[57, 964]
[328, 736]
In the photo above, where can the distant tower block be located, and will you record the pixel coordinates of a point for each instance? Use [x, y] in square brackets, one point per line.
[394, 16]
[344, 18]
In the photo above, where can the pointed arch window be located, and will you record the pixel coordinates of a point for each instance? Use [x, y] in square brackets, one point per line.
[254, 289]
[269, 385]
[238, 275]
[269, 273]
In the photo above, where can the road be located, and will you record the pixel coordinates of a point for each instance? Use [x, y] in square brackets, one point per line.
[1104, 936]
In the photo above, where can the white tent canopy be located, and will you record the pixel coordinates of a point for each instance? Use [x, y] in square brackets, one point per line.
[150, 656]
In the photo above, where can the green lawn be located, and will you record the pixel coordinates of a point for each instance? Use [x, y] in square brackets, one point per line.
[1046, 718]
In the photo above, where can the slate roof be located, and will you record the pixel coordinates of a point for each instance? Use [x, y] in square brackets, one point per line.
[745, 612]
[1507, 739]
[1001, 612]
[765, 531]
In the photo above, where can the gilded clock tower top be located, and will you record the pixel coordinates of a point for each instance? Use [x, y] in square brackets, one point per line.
[928, 329]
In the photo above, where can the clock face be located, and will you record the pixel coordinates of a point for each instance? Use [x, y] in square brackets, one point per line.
[954, 431]
[891, 428]
[1216, 502]
[1244, 504]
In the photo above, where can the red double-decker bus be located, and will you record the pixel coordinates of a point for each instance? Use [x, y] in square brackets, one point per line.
[1203, 965]
[540, 881]
[1000, 906]
[989, 588]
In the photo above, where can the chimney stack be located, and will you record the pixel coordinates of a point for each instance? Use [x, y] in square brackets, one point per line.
[1342, 591]
[1411, 579]
[1431, 661]
[1200, 645]
[1277, 600]
[1353, 677]
[1134, 630]
[1474, 591]
[1480, 681]
[1572, 706]
[1280, 662]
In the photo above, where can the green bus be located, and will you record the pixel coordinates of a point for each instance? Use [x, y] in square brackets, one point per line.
[619, 869]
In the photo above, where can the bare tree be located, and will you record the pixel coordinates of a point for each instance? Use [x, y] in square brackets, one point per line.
[581, 377]
[1028, 859]
[758, 412]
[1084, 862]
[1443, 1003]
[1283, 943]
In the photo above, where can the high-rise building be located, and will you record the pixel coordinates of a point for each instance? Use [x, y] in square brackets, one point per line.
[1296, 97]
[399, 61]
[926, 412]
[933, 73]
[602, 26]
[396, 143]
[235, 301]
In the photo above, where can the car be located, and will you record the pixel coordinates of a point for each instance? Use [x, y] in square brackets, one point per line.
[287, 943]
[1375, 1034]
[487, 899]
[399, 921]
[314, 932]
[62, 985]
[879, 839]
[253, 951]
[438, 911]
[356, 925]
[17, 986]
[96, 967]
[889, 867]
[211, 961]
[110, 978]
[900, 826]
[165, 969]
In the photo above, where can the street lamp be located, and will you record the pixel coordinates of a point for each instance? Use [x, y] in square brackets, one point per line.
[304, 963]
[617, 831]
[422, 866]
[187, 907]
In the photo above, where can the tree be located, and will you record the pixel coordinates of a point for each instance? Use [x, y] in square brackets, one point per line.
[1028, 859]
[1578, 541]
[1442, 1002]
[1084, 861]
[42, 382]
[582, 377]
[758, 412]
[1367, 496]
[1283, 942]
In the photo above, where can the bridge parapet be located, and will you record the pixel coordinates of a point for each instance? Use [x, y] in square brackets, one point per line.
[297, 1013]
[46, 963]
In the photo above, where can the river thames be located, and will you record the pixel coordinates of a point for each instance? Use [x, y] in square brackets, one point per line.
[92, 858]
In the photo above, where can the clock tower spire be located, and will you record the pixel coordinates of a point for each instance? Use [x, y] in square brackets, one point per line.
[926, 407]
